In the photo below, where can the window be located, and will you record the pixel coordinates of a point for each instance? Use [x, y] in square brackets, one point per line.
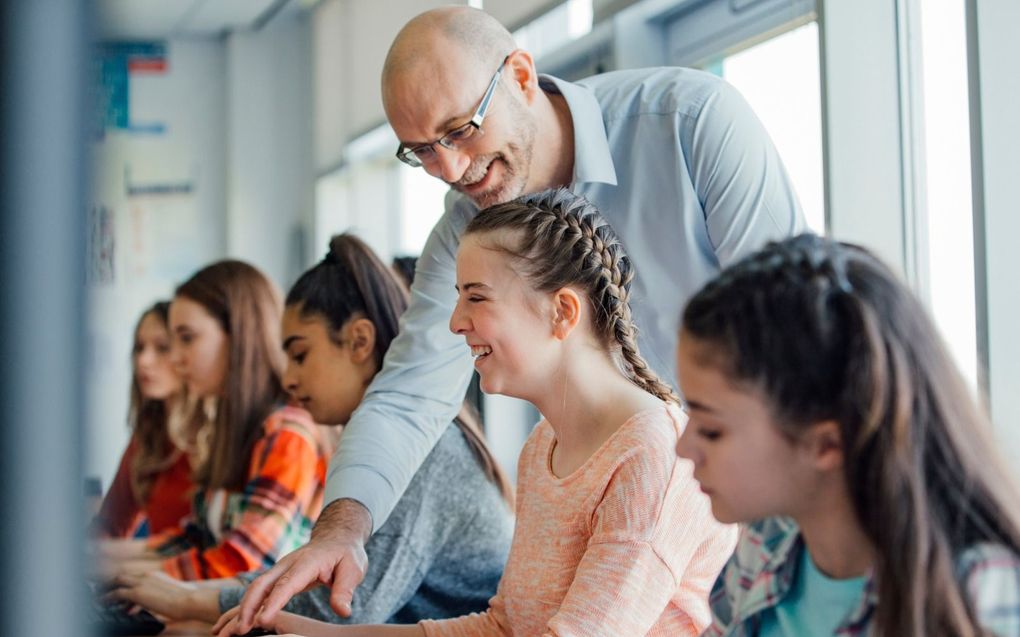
[360, 198]
[561, 25]
[421, 206]
[780, 79]
[948, 189]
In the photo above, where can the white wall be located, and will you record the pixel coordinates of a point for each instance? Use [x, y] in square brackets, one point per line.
[351, 39]
[159, 239]
[269, 147]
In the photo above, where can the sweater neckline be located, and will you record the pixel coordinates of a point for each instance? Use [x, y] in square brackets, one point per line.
[634, 418]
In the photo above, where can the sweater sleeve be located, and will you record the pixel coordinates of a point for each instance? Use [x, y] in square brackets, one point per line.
[491, 623]
[393, 576]
[278, 491]
[631, 568]
[395, 572]
[119, 511]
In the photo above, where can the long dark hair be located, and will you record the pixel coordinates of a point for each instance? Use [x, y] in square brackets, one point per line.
[827, 332]
[148, 420]
[557, 238]
[352, 281]
[248, 309]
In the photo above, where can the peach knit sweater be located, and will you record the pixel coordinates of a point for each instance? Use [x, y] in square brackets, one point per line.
[624, 546]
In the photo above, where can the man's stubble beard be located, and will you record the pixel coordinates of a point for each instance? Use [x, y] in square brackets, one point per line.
[516, 163]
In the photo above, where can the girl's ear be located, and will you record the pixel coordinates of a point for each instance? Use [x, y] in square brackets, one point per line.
[825, 444]
[566, 312]
[361, 335]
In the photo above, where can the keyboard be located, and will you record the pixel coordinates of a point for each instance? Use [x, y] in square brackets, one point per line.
[115, 621]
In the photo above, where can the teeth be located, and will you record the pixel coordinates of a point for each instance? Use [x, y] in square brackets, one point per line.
[480, 350]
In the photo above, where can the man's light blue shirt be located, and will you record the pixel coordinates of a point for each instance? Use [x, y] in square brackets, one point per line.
[680, 166]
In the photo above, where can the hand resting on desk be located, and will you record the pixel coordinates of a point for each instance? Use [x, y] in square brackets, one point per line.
[174, 599]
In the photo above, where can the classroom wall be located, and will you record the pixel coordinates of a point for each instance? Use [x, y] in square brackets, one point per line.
[236, 140]
[350, 40]
[157, 239]
[270, 176]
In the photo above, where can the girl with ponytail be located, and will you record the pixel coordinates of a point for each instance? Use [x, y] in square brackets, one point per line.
[613, 536]
[827, 415]
[441, 551]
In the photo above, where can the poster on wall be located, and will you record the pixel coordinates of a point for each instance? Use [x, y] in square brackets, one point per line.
[160, 194]
[118, 64]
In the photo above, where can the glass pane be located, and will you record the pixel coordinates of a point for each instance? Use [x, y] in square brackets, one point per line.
[331, 210]
[780, 79]
[421, 206]
[947, 156]
[360, 198]
[559, 26]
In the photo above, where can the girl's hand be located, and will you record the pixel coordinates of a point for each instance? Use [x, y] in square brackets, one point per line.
[163, 595]
[227, 624]
[283, 623]
[109, 570]
[122, 549]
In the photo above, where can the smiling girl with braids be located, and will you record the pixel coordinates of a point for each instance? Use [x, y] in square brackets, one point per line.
[613, 536]
[827, 414]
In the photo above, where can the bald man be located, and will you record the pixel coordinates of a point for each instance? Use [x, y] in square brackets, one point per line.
[674, 158]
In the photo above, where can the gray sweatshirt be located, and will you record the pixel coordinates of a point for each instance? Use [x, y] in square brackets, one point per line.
[440, 554]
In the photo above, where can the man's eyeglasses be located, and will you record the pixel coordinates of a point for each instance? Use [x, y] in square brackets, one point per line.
[458, 137]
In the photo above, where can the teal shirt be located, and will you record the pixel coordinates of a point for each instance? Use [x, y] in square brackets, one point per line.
[815, 605]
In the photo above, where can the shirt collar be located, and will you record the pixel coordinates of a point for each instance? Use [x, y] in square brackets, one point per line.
[781, 551]
[593, 162]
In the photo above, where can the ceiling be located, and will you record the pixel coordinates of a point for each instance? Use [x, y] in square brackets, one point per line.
[164, 19]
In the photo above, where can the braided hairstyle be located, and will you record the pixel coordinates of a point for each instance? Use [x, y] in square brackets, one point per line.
[557, 238]
[825, 331]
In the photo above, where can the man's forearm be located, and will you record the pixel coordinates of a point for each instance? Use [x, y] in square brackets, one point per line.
[343, 519]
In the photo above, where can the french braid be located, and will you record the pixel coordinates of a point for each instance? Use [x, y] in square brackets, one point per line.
[562, 239]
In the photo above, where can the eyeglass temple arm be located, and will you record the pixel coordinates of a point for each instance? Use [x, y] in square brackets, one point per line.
[483, 108]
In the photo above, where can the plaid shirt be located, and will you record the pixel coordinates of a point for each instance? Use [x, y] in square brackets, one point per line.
[232, 532]
[763, 567]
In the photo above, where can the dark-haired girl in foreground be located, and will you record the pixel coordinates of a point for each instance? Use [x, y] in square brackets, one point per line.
[442, 550]
[827, 415]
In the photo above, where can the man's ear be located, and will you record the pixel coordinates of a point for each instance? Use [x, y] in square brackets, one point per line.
[361, 335]
[523, 74]
[824, 442]
[566, 312]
